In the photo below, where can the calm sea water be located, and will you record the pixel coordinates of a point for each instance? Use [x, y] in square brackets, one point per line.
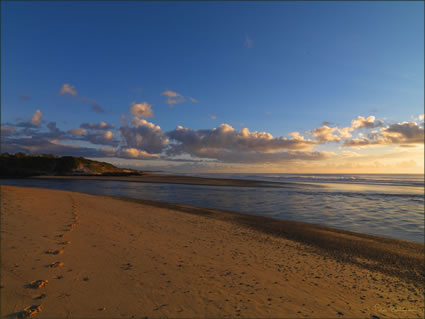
[387, 205]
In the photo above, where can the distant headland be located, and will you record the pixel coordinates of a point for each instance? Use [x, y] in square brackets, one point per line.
[22, 165]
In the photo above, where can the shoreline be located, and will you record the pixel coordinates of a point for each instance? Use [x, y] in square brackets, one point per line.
[148, 249]
[158, 203]
[176, 179]
[345, 245]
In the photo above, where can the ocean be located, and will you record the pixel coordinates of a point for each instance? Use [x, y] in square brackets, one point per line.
[387, 205]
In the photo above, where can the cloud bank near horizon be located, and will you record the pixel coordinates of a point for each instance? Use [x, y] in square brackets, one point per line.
[141, 139]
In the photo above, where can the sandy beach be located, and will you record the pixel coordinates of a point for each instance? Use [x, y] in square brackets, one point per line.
[73, 255]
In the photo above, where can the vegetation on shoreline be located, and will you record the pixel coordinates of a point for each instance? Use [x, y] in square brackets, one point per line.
[22, 165]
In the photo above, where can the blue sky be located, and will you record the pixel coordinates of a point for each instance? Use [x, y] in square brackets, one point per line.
[275, 67]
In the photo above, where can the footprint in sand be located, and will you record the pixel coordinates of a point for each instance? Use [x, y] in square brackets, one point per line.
[35, 284]
[126, 266]
[56, 264]
[30, 311]
[42, 296]
[54, 252]
[70, 228]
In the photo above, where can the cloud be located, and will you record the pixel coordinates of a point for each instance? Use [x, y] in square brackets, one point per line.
[7, 130]
[96, 133]
[45, 146]
[325, 134]
[171, 94]
[213, 117]
[77, 131]
[36, 118]
[248, 42]
[123, 120]
[53, 129]
[97, 108]
[403, 134]
[39, 140]
[176, 98]
[68, 89]
[97, 126]
[229, 156]
[102, 138]
[135, 154]
[144, 135]
[95, 137]
[50, 139]
[226, 144]
[173, 97]
[345, 132]
[141, 109]
[362, 122]
[140, 139]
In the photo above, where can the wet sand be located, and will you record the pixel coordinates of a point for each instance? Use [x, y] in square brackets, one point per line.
[75, 255]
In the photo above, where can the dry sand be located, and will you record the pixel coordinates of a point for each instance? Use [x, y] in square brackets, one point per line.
[85, 256]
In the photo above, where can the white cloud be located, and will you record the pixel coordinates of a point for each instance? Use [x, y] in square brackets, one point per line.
[226, 144]
[101, 138]
[173, 97]
[171, 94]
[345, 132]
[368, 122]
[193, 100]
[96, 136]
[403, 134]
[36, 118]
[325, 134]
[68, 89]
[144, 135]
[136, 154]
[141, 109]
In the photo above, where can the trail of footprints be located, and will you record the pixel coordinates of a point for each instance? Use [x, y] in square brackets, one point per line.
[33, 310]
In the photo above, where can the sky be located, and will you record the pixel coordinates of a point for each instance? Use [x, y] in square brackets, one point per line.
[268, 87]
